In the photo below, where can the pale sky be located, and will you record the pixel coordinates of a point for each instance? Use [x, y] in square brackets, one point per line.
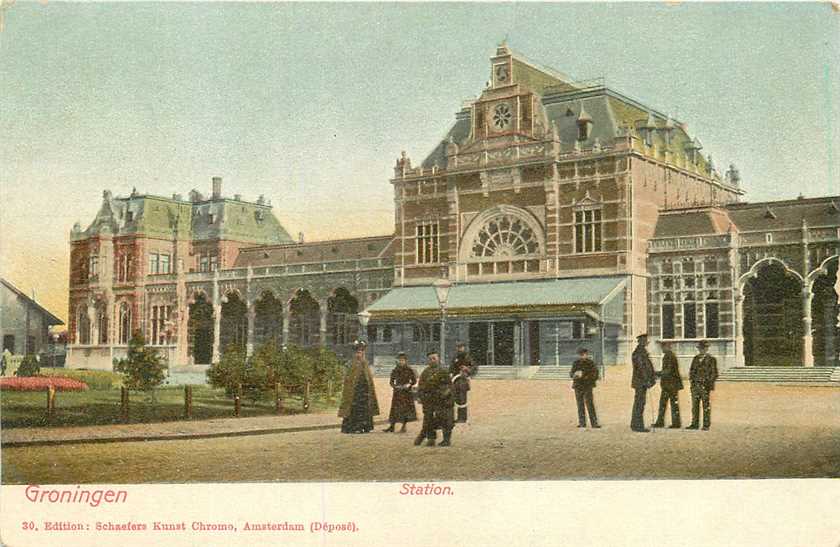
[310, 104]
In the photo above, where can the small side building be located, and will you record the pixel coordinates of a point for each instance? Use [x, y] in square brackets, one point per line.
[24, 324]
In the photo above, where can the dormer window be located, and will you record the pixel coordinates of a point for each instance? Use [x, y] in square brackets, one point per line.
[584, 123]
[583, 131]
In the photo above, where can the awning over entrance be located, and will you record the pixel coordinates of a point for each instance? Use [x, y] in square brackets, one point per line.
[592, 296]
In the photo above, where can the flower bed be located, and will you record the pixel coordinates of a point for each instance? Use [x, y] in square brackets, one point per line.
[41, 383]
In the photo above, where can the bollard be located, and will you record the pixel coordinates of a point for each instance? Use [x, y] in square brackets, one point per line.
[124, 402]
[50, 402]
[188, 401]
[278, 398]
[237, 405]
[306, 397]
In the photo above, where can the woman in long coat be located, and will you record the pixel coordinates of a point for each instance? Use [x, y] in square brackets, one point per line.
[358, 398]
[402, 403]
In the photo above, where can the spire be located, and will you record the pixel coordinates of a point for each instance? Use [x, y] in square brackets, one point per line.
[584, 116]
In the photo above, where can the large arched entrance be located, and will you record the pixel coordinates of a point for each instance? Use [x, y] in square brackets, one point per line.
[342, 322]
[825, 314]
[268, 320]
[200, 328]
[772, 318]
[233, 328]
[304, 320]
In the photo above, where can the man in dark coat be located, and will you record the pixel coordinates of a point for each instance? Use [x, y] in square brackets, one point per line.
[358, 398]
[402, 403]
[702, 375]
[435, 392]
[670, 384]
[644, 378]
[461, 370]
[584, 375]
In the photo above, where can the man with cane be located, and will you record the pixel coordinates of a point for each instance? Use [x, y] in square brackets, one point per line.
[644, 377]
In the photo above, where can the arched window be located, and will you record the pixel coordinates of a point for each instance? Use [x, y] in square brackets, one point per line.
[503, 240]
[505, 236]
[125, 323]
[102, 323]
[82, 325]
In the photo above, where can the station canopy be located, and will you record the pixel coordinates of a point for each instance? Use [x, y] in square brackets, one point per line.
[601, 298]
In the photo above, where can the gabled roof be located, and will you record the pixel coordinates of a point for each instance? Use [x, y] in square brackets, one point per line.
[51, 319]
[746, 217]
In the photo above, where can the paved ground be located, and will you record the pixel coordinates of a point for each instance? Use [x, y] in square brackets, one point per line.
[519, 430]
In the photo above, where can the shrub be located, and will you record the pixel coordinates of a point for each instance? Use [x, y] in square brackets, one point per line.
[229, 372]
[97, 380]
[328, 368]
[29, 366]
[41, 383]
[295, 366]
[143, 369]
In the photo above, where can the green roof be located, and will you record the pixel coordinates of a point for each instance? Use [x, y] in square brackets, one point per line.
[567, 293]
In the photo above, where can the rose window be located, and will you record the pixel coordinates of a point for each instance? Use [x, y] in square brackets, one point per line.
[505, 236]
[502, 116]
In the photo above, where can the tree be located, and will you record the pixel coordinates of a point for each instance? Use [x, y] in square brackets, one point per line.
[328, 368]
[28, 366]
[229, 372]
[143, 369]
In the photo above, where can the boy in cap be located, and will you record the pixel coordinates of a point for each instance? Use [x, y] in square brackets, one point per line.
[584, 375]
[461, 370]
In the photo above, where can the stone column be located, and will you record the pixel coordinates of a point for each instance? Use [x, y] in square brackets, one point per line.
[249, 337]
[324, 308]
[217, 330]
[738, 328]
[807, 337]
[183, 338]
[287, 318]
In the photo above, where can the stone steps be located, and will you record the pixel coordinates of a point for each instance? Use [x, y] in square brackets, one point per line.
[497, 373]
[553, 373]
[781, 375]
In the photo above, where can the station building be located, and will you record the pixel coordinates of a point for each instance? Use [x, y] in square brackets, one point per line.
[561, 213]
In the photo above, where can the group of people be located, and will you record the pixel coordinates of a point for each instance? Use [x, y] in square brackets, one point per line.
[702, 376]
[442, 393]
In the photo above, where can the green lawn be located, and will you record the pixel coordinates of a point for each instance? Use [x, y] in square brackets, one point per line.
[98, 407]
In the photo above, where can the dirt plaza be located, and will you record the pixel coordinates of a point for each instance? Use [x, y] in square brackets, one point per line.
[518, 430]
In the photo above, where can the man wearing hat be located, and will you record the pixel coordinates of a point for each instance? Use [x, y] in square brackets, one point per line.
[702, 375]
[584, 374]
[435, 392]
[358, 398]
[670, 384]
[402, 403]
[643, 379]
[461, 370]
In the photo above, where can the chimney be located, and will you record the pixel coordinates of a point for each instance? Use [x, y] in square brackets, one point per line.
[217, 187]
[300, 237]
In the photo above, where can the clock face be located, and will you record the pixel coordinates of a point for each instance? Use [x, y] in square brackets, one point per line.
[501, 74]
[502, 116]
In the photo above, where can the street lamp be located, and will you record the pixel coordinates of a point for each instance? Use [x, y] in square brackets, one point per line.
[442, 287]
[364, 318]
